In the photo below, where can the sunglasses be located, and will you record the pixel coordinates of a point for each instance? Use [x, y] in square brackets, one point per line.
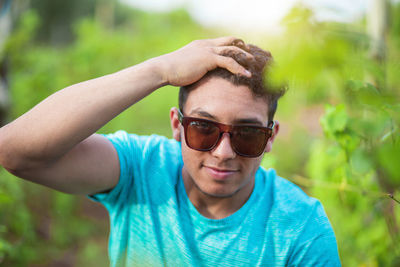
[246, 140]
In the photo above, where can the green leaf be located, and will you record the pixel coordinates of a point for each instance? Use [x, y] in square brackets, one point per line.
[335, 119]
[360, 162]
[388, 158]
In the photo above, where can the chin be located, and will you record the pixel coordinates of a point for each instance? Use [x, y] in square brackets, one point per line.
[219, 192]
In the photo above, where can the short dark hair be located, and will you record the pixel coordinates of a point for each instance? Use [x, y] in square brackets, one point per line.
[259, 68]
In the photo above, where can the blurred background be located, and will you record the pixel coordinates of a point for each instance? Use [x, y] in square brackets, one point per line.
[340, 119]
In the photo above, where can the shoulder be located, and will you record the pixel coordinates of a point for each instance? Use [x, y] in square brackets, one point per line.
[291, 208]
[286, 196]
[143, 141]
[148, 164]
[143, 146]
[291, 197]
[147, 157]
[297, 217]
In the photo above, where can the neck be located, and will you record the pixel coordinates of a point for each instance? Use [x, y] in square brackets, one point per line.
[216, 207]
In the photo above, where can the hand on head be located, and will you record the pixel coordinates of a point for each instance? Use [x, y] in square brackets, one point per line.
[190, 63]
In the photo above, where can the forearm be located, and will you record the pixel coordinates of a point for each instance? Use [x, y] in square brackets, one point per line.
[67, 117]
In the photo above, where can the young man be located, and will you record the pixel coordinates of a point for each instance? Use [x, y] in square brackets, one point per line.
[198, 200]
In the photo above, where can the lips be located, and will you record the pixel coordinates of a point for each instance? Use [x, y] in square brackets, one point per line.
[220, 173]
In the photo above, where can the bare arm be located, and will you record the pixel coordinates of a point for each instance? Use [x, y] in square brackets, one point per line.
[54, 143]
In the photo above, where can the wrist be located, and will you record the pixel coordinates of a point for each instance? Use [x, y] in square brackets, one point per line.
[158, 69]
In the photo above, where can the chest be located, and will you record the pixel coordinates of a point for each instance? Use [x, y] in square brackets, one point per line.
[169, 235]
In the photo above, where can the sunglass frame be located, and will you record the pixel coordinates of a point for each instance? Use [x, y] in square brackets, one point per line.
[225, 128]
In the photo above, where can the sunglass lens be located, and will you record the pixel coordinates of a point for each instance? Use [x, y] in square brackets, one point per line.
[249, 141]
[201, 135]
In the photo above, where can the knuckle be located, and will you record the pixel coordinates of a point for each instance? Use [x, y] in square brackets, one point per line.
[214, 50]
[231, 38]
[230, 61]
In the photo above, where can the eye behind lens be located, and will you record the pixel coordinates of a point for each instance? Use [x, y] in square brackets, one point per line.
[249, 145]
[202, 135]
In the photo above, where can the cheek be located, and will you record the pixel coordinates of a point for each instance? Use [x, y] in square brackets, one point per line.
[253, 165]
[191, 158]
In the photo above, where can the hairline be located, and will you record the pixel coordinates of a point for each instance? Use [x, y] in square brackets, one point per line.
[195, 85]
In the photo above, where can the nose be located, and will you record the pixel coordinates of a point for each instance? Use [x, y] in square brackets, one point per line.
[223, 149]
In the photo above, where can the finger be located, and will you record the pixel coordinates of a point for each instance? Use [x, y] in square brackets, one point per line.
[231, 65]
[227, 50]
[227, 40]
[239, 43]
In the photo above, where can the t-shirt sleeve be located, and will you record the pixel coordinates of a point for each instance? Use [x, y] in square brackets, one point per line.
[316, 245]
[129, 150]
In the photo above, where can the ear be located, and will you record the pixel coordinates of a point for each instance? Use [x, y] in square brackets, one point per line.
[175, 124]
[268, 147]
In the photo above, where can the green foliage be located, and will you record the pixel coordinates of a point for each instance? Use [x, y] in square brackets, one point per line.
[363, 168]
[353, 163]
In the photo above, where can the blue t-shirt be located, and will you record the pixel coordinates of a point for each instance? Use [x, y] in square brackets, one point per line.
[153, 222]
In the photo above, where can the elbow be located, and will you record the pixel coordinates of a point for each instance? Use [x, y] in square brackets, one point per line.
[13, 166]
[13, 163]
[3, 148]
[3, 154]
[9, 160]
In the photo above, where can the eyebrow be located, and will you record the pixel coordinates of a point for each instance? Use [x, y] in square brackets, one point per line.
[248, 121]
[205, 114]
[202, 113]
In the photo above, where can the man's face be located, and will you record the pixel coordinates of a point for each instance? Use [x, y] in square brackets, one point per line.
[220, 172]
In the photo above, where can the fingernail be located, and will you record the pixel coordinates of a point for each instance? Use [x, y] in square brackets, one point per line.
[247, 73]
